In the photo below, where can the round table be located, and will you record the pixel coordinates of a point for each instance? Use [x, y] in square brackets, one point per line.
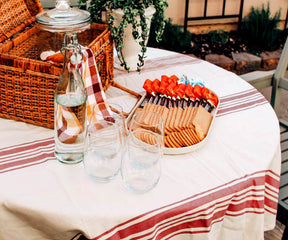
[228, 187]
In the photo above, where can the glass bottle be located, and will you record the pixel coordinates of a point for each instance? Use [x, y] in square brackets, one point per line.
[70, 106]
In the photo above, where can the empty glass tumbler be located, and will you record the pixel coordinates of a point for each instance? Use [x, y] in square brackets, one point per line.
[104, 152]
[148, 120]
[141, 167]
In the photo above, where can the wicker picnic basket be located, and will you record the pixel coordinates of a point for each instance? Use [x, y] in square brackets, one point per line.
[27, 84]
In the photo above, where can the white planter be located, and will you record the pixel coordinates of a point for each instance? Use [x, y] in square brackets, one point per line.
[131, 46]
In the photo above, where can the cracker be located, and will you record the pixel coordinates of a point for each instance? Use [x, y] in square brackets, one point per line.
[188, 142]
[164, 114]
[202, 121]
[167, 144]
[194, 135]
[173, 141]
[170, 142]
[169, 117]
[187, 116]
[191, 136]
[183, 117]
[178, 118]
[178, 138]
[186, 136]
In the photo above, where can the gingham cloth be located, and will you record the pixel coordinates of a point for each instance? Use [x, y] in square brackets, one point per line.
[68, 126]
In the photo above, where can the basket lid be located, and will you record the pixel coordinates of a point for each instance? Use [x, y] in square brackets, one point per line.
[15, 15]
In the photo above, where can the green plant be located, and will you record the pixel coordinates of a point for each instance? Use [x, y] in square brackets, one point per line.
[173, 38]
[132, 9]
[260, 30]
[218, 37]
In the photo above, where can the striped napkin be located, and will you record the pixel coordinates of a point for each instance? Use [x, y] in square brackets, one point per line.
[68, 126]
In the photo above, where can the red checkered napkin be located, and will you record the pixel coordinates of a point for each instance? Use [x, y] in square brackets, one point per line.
[68, 126]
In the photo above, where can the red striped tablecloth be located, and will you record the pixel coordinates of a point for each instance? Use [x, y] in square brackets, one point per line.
[228, 189]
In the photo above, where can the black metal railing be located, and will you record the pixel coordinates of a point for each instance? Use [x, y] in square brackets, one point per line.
[205, 17]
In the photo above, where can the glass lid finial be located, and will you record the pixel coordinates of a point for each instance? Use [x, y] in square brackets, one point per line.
[63, 18]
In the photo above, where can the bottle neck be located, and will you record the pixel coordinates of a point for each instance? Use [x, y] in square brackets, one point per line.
[71, 40]
[72, 50]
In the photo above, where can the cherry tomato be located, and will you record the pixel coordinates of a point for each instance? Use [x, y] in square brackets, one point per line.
[156, 85]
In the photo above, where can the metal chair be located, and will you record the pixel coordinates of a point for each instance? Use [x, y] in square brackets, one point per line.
[276, 79]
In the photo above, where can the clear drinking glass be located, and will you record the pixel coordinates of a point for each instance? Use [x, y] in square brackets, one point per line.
[148, 120]
[113, 113]
[104, 152]
[141, 167]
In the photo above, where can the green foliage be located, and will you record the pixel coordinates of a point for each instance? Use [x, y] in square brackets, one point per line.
[218, 37]
[173, 38]
[132, 9]
[260, 30]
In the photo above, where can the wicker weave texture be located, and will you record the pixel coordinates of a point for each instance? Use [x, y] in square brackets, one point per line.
[27, 84]
[27, 96]
[18, 18]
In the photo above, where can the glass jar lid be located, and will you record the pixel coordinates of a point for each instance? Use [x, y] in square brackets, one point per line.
[63, 18]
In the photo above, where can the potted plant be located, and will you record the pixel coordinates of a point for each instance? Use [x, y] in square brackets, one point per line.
[128, 19]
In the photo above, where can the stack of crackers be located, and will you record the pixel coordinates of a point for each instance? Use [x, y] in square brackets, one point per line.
[182, 127]
[184, 106]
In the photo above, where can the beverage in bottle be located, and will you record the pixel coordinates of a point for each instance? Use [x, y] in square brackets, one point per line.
[70, 107]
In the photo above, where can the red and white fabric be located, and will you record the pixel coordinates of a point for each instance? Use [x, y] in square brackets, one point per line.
[228, 189]
[67, 124]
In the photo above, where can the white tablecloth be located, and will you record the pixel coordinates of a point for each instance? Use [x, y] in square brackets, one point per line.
[228, 189]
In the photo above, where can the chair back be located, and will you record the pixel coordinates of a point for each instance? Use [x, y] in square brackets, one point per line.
[279, 80]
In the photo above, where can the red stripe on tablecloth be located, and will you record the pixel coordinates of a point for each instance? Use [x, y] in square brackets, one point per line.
[163, 63]
[199, 223]
[256, 204]
[270, 203]
[207, 216]
[237, 101]
[188, 205]
[269, 211]
[267, 187]
[19, 149]
[191, 231]
[26, 153]
[272, 181]
[243, 94]
[191, 223]
[275, 175]
[192, 217]
[29, 165]
[24, 146]
[23, 155]
[25, 161]
[243, 105]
